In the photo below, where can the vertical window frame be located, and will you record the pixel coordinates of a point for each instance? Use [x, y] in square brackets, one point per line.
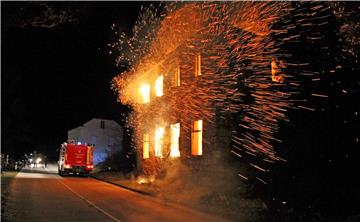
[159, 86]
[197, 67]
[175, 136]
[146, 146]
[196, 138]
[159, 141]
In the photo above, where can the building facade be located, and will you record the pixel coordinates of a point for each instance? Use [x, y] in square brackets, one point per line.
[199, 71]
[105, 135]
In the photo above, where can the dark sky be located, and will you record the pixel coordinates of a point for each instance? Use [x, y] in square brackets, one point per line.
[56, 69]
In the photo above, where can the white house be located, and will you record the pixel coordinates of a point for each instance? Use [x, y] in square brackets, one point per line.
[105, 135]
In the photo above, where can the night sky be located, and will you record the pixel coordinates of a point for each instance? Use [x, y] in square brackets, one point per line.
[56, 69]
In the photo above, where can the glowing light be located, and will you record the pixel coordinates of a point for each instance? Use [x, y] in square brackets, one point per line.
[159, 86]
[276, 74]
[146, 146]
[38, 160]
[141, 180]
[196, 138]
[145, 93]
[145, 180]
[197, 65]
[159, 139]
[237, 32]
[89, 155]
[175, 135]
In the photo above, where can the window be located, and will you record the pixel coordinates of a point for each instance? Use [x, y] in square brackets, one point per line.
[146, 145]
[159, 86]
[145, 93]
[276, 71]
[197, 65]
[177, 76]
[196, 138]
[175, 135]
[159, 138]
[102, 124]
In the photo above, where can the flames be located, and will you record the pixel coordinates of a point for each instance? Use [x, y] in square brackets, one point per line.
[276, 73]
[196, 145]
[144, 93]
[159, 141]
[159, 86]
[175, 135]
[146, 146]
[179, 27]
[234, 51]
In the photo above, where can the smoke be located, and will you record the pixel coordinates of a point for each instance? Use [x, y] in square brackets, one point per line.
[259, 61]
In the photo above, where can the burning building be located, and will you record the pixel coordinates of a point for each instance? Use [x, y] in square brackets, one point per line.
[210, 82]
[198, 67]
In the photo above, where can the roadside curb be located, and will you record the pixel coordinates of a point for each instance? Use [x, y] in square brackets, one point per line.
[167, 203]
[125, 187]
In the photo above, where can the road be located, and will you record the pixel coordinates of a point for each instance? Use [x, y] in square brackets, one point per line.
[42, 195]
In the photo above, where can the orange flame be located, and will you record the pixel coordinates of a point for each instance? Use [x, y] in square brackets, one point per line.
[175, 134]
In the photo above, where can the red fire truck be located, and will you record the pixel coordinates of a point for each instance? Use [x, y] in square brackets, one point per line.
[75, 158]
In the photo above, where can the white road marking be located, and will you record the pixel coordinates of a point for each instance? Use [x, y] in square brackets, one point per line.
[89, 202]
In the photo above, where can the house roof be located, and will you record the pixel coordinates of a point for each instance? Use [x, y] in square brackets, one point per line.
[109, 120]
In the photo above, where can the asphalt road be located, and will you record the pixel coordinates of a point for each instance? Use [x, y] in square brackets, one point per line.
[41, 195]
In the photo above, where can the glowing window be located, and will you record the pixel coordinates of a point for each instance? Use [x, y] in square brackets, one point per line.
[145, 93]
[175, 135]
[197, 65]
[159, 138]
[276, 72]
[159, 86]
[196, 138]
[273, 68]
[177, 76]
[146, 145]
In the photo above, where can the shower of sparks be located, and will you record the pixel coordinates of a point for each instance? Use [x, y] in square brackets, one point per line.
[249, 68]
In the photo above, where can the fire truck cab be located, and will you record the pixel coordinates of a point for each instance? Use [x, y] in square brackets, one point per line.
[75, 158]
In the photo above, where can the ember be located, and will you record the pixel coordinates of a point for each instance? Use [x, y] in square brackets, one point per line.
[212, 59]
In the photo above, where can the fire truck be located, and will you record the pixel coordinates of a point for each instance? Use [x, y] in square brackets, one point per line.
[75, 158]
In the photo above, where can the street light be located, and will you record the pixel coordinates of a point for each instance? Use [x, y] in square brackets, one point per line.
[38, 160]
